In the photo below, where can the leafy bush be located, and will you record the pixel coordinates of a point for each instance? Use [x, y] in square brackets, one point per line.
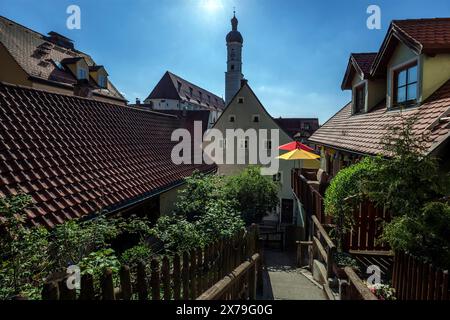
[255, 195]
[200, 190]
[74, 240]
[220, 220]
[347, 189]
[426, 235]
[96, 262]
[24, 251]
[132, 256]
[177, 234]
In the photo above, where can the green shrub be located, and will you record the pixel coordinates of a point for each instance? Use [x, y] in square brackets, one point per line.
[255, 195]
[132, 256]
[426, 235]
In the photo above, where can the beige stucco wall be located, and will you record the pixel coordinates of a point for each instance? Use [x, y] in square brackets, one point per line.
[402, 54]
[244, 120]
[436, 71]
[167, 201]
[10, 70]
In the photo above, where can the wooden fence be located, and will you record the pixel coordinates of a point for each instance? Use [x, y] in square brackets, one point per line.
[179, 277]
[367, 230]
[238, 285]
[414, 279]
[354, 288]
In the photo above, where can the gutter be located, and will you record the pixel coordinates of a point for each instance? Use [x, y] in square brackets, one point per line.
[114, 210]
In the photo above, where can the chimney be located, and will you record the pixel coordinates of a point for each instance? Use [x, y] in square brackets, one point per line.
[243, 82]
[82, 89]
[138, 101]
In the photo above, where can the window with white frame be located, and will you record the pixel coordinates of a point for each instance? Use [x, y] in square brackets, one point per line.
[405, 85]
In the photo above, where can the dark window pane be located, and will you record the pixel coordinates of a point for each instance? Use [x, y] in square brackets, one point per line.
[412, 92]
[401, 80]
[401, 95]
[412, 74]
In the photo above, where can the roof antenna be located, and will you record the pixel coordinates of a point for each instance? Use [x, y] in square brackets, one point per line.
[234, 11]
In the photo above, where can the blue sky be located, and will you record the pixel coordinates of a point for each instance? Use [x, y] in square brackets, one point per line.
[295, 51]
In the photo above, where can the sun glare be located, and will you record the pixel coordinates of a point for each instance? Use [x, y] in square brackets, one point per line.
[212, 5]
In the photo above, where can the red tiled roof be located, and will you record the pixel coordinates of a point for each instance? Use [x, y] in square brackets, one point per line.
[364, 60]
[358, 62]
[174, 87]
[294, 126]
[77, 156]
[362, 133]
[431, 34]
[39, 57]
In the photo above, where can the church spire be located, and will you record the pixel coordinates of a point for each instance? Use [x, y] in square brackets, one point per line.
[234, 21]
[233, 75]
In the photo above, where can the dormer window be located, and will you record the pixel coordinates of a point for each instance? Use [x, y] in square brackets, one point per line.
[82, 73]
[102, 81]
[405, 85]
[360, 98]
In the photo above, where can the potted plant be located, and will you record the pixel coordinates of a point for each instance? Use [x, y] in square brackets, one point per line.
[342, 260]
[382, 291]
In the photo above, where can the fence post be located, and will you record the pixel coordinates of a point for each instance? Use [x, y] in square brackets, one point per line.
[176, 277]
[50, 291]
[330, 256]
[64, 292]
[166, 278]
[142, 286]
[202, 281]
[185, 276]
[154, 280]
[259, 264]
[107, 285]
[192, 276]
[125, 283]
[87, 291]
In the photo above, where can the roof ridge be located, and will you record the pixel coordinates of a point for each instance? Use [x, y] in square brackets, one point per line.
[187, 81]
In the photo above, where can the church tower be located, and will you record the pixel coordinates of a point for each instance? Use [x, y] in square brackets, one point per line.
[234, 75]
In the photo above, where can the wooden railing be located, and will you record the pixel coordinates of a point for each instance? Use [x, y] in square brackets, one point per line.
[181, 276]
[414, 279]
[310, 198]
[323, 248]
[238, 285]
[354, 288]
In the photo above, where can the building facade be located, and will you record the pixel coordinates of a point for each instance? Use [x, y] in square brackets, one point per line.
[409, 78]
[51, 63]
[174, 93]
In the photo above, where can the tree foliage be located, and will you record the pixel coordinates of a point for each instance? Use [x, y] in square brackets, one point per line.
[256, 195]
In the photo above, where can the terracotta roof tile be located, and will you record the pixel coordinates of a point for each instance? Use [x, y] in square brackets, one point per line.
[25, 46]
[363, 133]
[75, 156]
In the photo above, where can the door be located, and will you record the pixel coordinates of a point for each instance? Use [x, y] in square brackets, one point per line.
[287, 211]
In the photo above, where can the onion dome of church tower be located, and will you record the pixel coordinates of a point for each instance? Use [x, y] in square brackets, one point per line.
[234, 35]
